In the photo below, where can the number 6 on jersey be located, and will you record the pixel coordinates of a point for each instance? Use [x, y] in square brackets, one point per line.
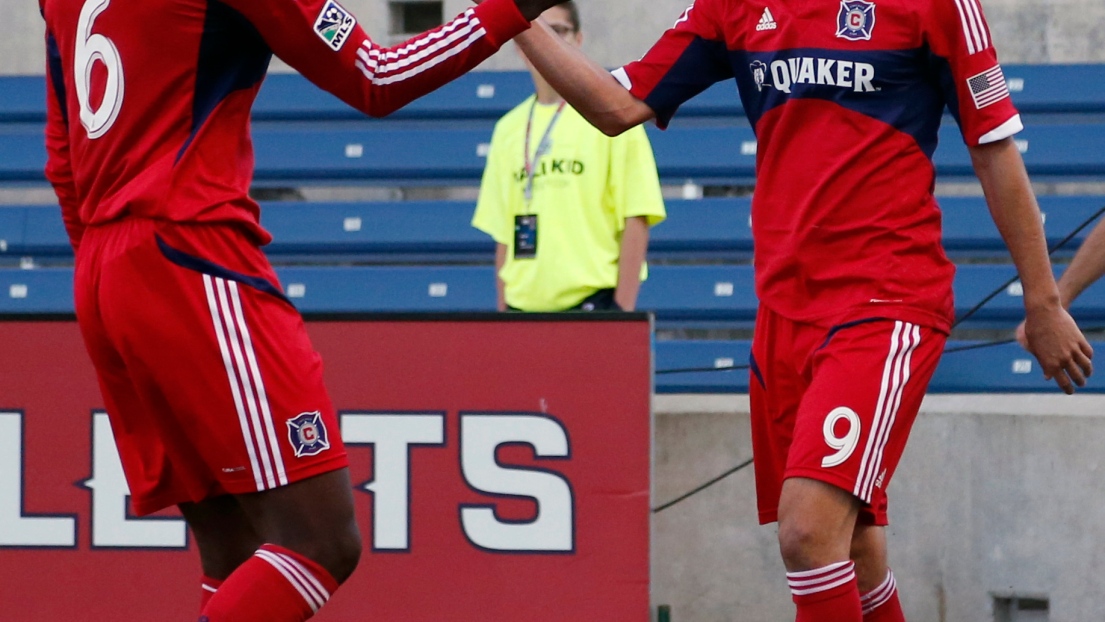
[844, 445]
[92, 48]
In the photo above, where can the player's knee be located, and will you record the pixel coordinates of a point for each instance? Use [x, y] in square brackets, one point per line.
[343, 553]
[805, 544]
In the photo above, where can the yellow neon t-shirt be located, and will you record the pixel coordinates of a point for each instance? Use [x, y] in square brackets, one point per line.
[584, 190]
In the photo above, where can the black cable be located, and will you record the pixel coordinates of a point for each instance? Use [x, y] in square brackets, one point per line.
[1051, 251]
[695, 370]
[694, 492]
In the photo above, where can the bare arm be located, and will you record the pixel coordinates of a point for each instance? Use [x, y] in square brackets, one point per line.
[1051, 334]
[500, 286]
[587, 87]
[1086, 268]
[634, 248]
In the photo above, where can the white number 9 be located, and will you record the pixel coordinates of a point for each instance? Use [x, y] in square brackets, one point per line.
[844, 445]
[92, 48]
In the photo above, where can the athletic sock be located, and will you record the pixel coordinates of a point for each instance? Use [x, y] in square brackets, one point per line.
[275, 585]
[208, 587]
[881, 604]
[828, 594]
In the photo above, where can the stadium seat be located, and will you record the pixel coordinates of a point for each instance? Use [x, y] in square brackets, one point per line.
[999, 369]
[969, 230]
[1037, 89]
[392, 289]
[43, 291]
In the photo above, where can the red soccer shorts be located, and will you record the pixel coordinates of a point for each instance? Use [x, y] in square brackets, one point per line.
[836, 405]
[208, 376]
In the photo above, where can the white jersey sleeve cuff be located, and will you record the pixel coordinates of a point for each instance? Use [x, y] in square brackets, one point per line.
[1003, 131]
[623, 78]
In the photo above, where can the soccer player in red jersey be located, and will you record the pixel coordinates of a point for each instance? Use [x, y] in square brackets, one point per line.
[214, 391]
[845, 98]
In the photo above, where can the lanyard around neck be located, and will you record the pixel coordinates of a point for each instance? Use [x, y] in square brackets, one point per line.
[543, 147]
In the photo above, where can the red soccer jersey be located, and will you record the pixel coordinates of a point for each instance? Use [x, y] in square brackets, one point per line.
[846, 99]
[149, 101]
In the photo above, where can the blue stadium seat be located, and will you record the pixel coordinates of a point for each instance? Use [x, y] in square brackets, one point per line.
[1036, 89]
[22, 153]
[407, 231]
[1057, 88]
[392, 289]
[22, 98]
[692, 295]
[702, 355]
[423, 152]
[36, 292]
[13, 224]
[680, 295]
[1051, 151]
[969, 229]
[439, 231]
[999, 369]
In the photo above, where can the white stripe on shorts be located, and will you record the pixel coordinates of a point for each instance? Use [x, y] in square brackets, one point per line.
[904, 340]
[224, 348]
[247, 387]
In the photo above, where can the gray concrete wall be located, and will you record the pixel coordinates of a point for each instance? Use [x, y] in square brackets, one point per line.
[1026, 31]
[996, 495]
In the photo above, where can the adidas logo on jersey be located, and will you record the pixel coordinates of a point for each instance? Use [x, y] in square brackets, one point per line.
[767, 22]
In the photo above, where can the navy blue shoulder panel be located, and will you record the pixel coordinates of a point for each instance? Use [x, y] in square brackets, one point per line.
[233, 56]
[902, 88]
[57, 75]
[203, 266]
[701, 65]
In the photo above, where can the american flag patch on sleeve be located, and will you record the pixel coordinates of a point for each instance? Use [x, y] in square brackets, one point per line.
[988, 87]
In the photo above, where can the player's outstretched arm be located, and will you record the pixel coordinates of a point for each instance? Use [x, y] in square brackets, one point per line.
[1051, 334]
[588, 87]
[1087, 267]
[325, 42]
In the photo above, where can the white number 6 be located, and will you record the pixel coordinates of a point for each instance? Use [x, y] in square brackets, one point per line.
[844, 445]
[92, 48]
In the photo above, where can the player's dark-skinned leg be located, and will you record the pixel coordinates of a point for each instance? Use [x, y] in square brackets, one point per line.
[877, 588]
[225, 539]
[311, 545]
[816, 525]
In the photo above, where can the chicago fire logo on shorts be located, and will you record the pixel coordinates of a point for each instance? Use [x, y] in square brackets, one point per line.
[856, 20]
[308, 434]
[334, 25]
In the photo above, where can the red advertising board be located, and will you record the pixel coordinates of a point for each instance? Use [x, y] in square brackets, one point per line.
[502, 470]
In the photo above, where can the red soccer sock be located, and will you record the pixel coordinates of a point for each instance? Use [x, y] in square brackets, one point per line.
[208, 587]
[828, 594]
[881, 604]
[275, 585]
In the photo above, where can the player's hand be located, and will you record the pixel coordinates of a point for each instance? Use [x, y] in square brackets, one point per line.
[1022, 338]
[1054, 339]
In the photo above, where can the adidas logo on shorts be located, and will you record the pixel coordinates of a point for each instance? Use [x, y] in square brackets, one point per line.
[767, 22]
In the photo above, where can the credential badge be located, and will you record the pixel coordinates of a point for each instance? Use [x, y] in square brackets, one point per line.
[307, 433]
[856, 20]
